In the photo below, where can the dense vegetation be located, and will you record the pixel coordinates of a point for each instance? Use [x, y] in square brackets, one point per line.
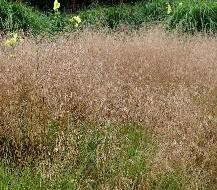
[99, 110]
[108, 103]
[73, 4]
[189, 16]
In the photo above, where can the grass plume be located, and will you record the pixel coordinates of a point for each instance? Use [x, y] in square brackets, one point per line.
[107, 111]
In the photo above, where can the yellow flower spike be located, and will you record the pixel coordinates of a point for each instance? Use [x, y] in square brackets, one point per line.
[76, 20]
[56, 5]
[12, 42]
[169, 9]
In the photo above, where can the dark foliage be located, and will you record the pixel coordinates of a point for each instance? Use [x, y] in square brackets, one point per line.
[73, 4]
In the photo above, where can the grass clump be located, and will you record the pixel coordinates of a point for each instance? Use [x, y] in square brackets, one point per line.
[194, 16]
[14, 16]
[186, 16]
[133, 15]
[19, 17]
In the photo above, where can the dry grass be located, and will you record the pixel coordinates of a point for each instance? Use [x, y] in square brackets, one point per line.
[49, 89]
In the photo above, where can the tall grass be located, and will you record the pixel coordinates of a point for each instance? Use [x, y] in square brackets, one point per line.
[19, 17]
[106, 111]
[194, 16]
[134, 15]
[14, 16]
[191, 16]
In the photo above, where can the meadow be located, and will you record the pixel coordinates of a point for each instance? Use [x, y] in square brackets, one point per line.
[94, 110]
[99, 107]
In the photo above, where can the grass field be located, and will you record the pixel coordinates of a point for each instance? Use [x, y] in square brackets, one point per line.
[125, 100]
[101, 110]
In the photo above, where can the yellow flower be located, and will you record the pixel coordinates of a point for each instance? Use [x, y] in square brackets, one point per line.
[76, 20]
[56, 5]
[76, 25]
[169, 9]
[12, 41]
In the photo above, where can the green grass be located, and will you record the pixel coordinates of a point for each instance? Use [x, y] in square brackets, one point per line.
[14, 16]
[133, 15]
[18, 17]
[192, 16]
[30, 179]
[112, 156]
